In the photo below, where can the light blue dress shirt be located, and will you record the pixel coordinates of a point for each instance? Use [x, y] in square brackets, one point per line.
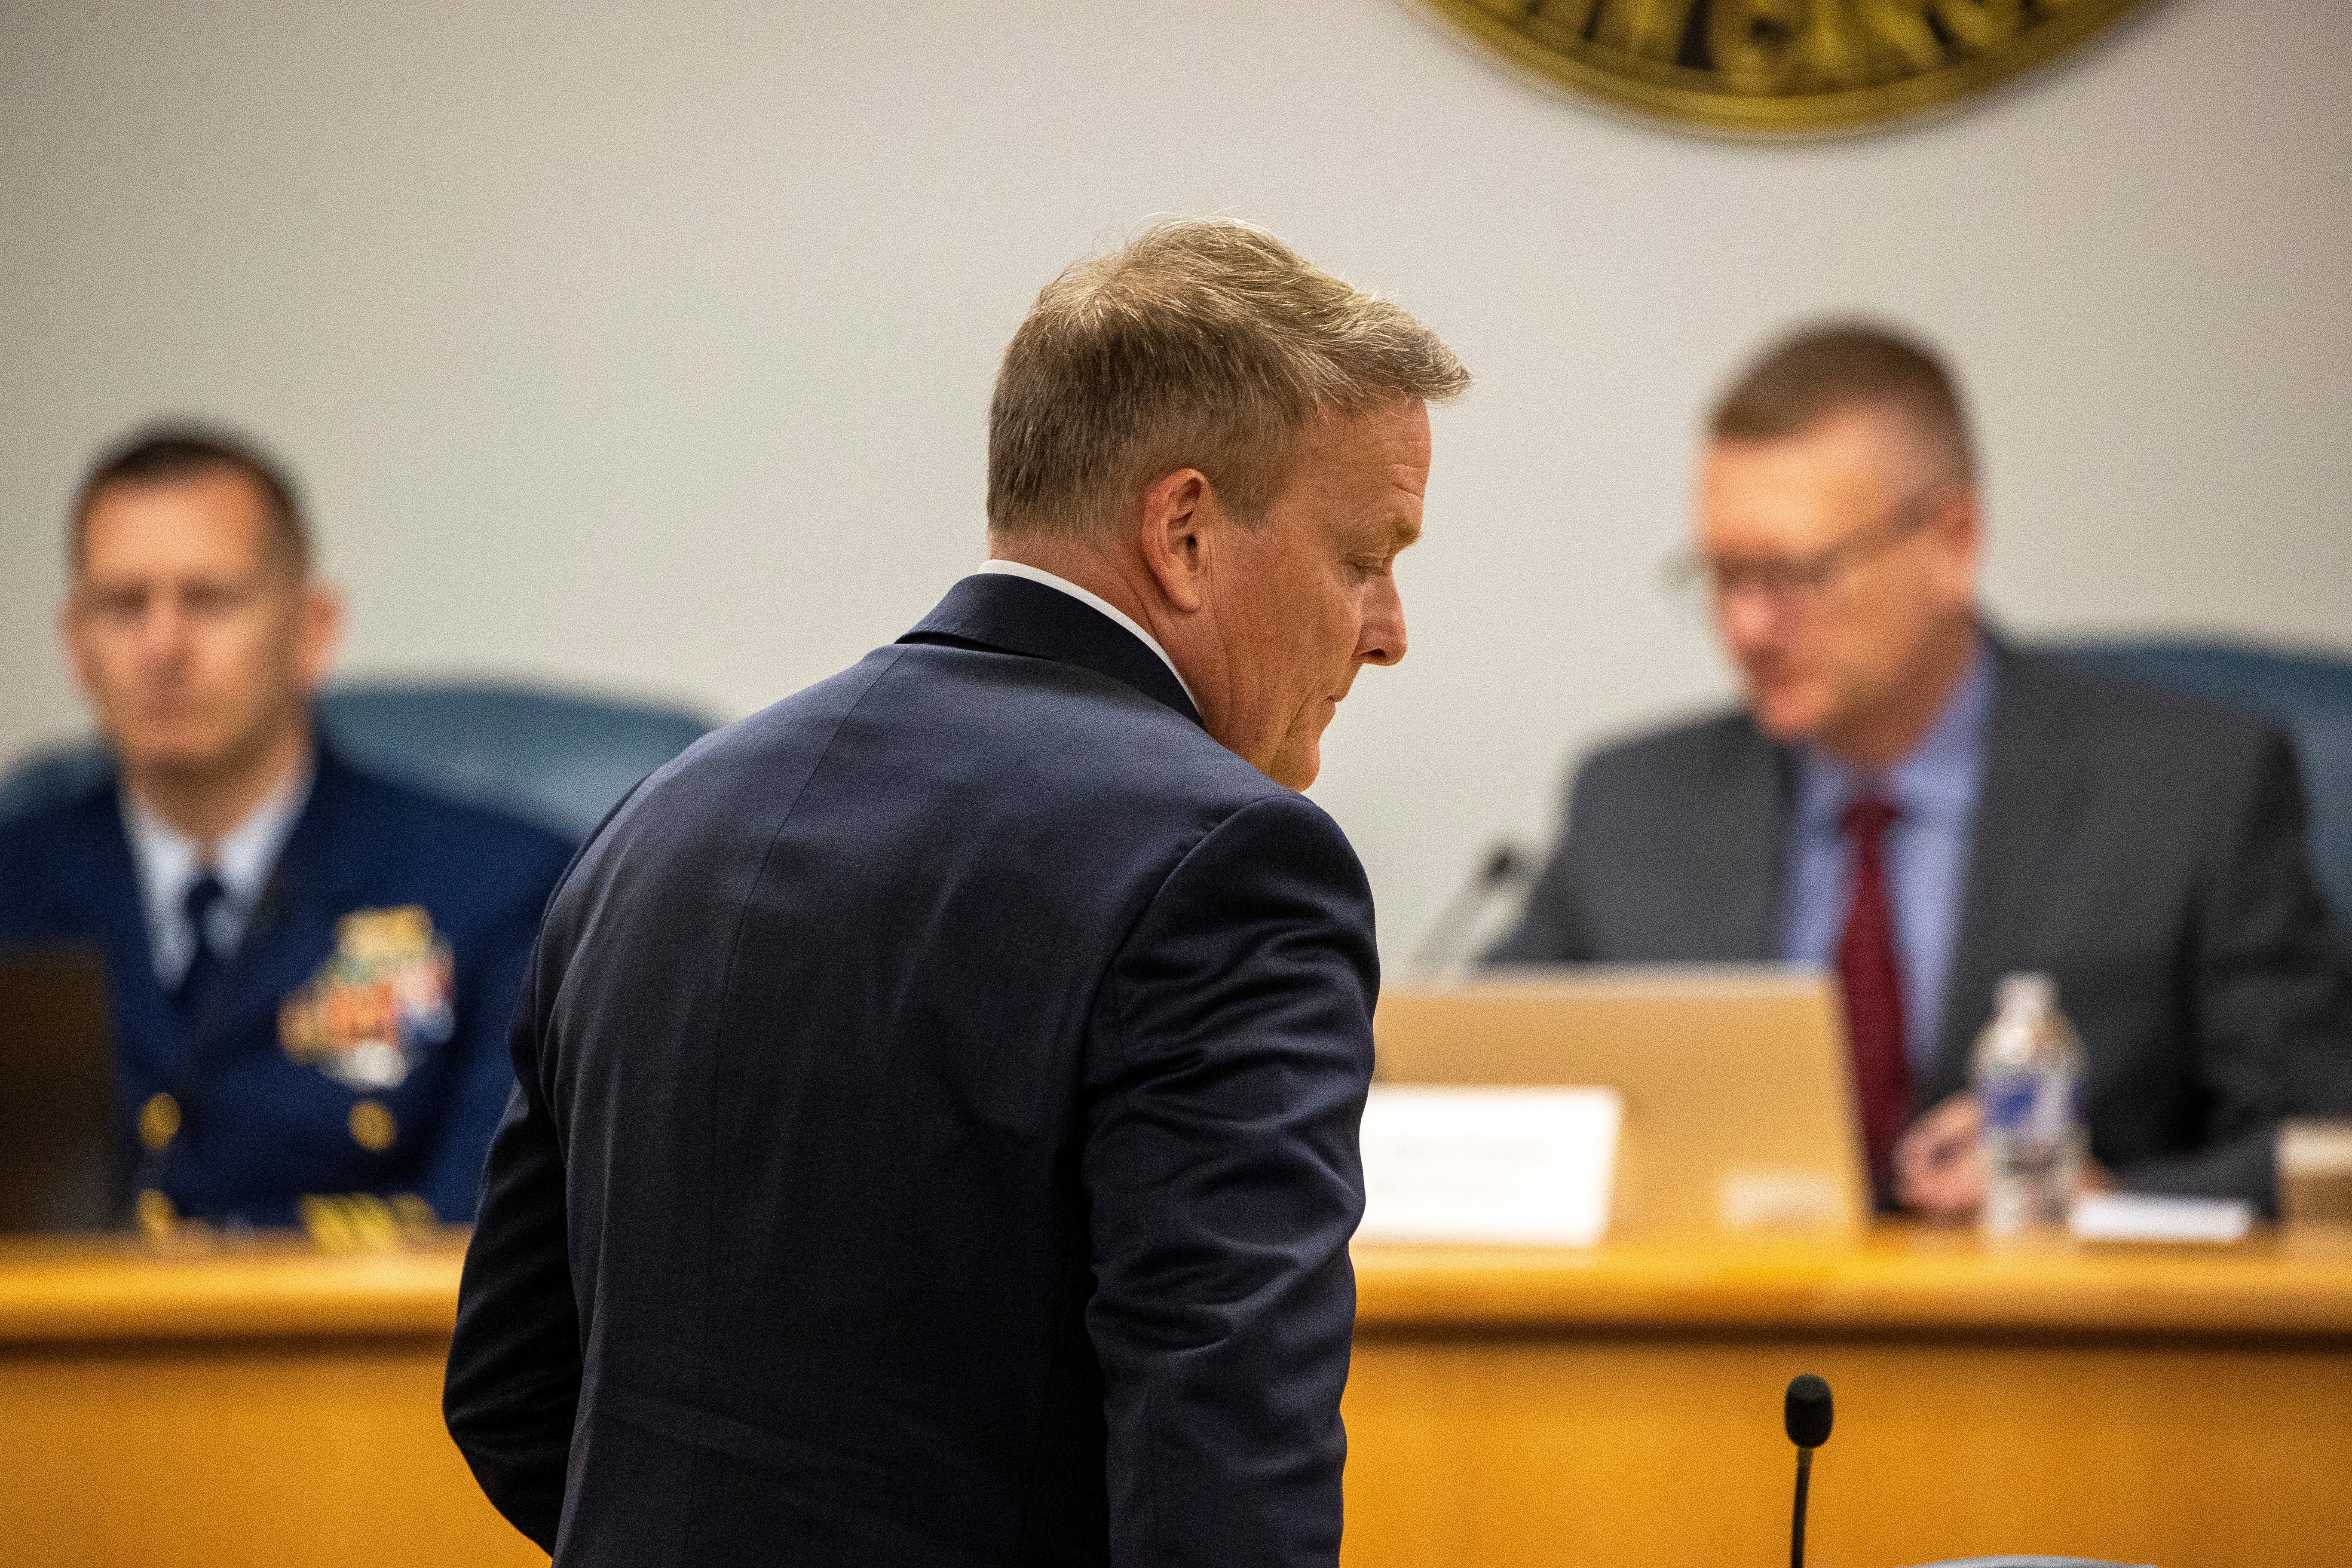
[170, 862]
[1934, 792]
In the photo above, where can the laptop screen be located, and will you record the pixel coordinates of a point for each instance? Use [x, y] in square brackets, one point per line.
[60, 1167]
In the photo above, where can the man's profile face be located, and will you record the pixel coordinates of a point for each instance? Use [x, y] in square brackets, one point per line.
[1861, 490]
[1308, 597]
[196, 642]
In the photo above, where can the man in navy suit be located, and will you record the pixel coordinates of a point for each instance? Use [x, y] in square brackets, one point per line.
[935, 1133]
[310, 970]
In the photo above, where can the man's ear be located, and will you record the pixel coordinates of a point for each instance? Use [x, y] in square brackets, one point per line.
[1177, 538]
[321, 622]
[73, 632]
[1961, 542]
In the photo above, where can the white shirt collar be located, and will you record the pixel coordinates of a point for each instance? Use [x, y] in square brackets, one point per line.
[1094, 602]
[169, 863]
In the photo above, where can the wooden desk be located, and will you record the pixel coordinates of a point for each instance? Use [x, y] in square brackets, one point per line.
[263, 1404]
[2177, 1406]
[271, 1404]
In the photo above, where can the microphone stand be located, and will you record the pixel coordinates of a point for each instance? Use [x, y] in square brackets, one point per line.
[1797, 1525]
[1441, 947]
[1807, 1414]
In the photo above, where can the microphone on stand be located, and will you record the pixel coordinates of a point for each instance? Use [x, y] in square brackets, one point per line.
[1806, 1414]
[1441, 947]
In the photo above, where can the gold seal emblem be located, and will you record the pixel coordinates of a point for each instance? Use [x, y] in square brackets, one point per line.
[375, 1004]
[1777, 69]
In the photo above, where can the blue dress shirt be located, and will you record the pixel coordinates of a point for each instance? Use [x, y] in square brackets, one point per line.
[1934, 792]
[169, 863]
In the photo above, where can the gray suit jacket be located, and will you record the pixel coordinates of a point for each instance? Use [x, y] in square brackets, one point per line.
[2146, 851]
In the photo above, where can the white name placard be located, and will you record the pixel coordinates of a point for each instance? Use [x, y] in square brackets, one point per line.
[1525, 1165]
[2136, 1216]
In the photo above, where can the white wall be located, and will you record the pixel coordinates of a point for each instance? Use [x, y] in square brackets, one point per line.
[648, 346]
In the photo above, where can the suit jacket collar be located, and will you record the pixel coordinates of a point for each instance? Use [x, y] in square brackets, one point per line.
[2031, 796]
[106, 893]
[307, 867]
[333, 785]
[1012, 615]
[1756, 794]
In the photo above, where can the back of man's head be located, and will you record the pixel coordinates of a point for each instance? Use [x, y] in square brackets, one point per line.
[170, 454]
[1831, 367]
[1203, 343]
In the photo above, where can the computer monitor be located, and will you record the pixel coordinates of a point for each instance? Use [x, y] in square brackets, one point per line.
[1738, 1093]
[58, 1165]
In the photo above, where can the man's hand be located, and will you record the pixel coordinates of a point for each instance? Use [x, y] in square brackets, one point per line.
[1939, 1163]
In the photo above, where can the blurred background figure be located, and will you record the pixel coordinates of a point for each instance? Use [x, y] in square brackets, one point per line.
[309, 967]
[1906, 796]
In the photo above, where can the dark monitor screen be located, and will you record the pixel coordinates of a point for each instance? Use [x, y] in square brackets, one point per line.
[58, 1169]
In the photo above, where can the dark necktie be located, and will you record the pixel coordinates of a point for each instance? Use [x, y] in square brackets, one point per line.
[201, 977]
[1873, 991]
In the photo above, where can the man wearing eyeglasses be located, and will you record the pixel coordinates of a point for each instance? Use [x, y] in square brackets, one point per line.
[1907, 799]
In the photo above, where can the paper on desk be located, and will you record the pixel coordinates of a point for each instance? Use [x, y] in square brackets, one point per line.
[2136, 1216]
[1447, 1164]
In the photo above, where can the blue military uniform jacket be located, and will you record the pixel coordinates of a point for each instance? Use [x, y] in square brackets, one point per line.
[357, 1041]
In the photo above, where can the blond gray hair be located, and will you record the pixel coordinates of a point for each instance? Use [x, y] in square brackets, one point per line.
[1204, 343]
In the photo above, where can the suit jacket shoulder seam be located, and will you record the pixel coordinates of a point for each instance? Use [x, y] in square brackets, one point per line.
[1111, 981]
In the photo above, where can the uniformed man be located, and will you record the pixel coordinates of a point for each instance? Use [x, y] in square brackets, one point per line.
[310, 969]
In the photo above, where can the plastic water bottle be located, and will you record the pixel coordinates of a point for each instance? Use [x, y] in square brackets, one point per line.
[2027, 1070]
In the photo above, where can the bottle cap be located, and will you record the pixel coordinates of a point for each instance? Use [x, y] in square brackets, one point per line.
[2027, 989]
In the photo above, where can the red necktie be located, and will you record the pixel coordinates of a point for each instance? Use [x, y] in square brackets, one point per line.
[1873, 991]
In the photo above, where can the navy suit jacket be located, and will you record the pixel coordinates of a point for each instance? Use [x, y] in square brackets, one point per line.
[935, 1135]
[2147, 851]
[261, 1126]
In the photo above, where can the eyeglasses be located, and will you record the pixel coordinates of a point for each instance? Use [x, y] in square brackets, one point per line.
[1799, 582]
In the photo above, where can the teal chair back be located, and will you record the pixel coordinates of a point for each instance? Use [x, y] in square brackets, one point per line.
[2309, 694]
[560, 761]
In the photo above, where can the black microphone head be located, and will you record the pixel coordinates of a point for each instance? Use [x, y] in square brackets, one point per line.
[1502, 865]
[1806, 1413]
